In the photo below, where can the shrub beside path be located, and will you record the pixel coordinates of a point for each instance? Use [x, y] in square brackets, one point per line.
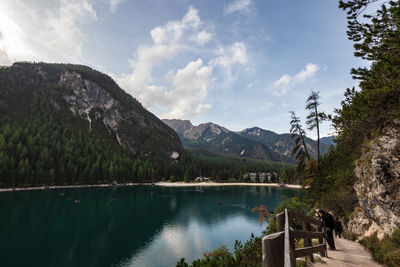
[348, 253]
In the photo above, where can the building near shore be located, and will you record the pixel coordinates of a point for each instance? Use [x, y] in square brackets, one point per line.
[261, 177]
[202, 179]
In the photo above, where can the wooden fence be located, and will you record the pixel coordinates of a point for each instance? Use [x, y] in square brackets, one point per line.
[278, 250]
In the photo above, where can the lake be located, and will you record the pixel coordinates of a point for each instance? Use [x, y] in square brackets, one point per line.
[127, 226]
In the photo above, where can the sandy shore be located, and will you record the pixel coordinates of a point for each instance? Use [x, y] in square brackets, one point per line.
[66, 187]
[166, 184]
[182, 184]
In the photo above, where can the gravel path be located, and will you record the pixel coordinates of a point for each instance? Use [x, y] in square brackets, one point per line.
[348, 253]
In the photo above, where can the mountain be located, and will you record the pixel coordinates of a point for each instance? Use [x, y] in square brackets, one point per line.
[254, 142]
[217, 139]
[328, 140]
[282, 143]
[62, 120]
[90, 96]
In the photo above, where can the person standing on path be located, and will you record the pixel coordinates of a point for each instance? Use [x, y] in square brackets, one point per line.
[329, 222]
[338, 227]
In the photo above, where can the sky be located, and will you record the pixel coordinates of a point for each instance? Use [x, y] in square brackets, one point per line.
[238, 63]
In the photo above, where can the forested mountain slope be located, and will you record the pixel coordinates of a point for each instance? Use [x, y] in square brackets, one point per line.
[65, 123]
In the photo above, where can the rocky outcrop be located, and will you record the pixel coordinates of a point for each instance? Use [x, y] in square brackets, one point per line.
[88, 96]
[378, 186]
[181, 127]
[134, 128]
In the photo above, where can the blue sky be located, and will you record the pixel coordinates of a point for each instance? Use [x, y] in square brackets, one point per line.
[239, 63]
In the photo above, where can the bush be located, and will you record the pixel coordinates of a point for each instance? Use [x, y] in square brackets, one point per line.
[293, 204]
[387, 250]
[249, 254]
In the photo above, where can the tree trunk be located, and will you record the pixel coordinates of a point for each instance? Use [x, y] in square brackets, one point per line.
[304, 142]
[317, 123]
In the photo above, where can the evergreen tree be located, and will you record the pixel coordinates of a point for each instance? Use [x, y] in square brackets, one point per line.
[300, 151]
[240, 176]
[283, 176]
[376, 38]
[141, 174]
[315, 118]
[186, 177]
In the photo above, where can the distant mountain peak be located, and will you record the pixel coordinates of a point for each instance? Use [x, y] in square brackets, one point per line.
[181, 127]
[214, 128]
[253, 142]
[256, 131]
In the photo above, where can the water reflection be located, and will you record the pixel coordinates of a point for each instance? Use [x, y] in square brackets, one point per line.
[192, 240]
[129, 226]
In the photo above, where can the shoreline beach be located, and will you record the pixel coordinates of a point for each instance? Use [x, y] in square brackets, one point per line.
[164, 184]
[181, 184]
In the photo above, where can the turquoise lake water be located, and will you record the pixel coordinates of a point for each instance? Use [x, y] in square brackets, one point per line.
[127, 226]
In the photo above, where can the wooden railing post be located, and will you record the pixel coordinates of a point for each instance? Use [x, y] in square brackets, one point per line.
[307, 241]
[273, 250]
[289, 258]
[280, 222]
[279, 249]
[322, 241]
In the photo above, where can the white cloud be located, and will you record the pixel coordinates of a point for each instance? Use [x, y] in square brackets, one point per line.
[63, 28]
[13, 44]
[283, 84]
[166, 44]
[48, 34]
[4, 59]
[237, 53]
[173, 31]
[229, 56]
[114, 4]
[187, 96]
[201, 108]
[189, 85]
[190, 90]
[238, 6]
[308, 72]
[202, 37]
[192, 18]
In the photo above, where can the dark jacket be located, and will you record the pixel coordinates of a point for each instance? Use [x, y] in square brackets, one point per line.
[328, 220]
[338, 227]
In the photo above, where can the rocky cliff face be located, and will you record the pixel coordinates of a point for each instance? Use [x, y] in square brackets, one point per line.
[92, 102]
[378, 186]
[87, 96]
[181, 127]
